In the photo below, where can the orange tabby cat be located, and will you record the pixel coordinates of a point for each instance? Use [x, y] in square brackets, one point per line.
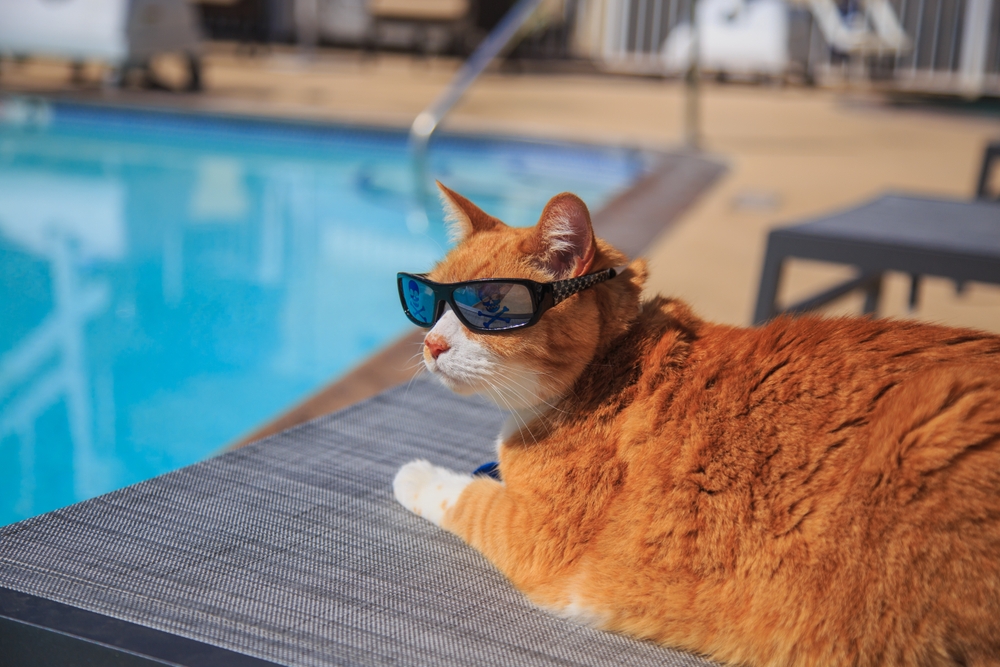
[810, 492]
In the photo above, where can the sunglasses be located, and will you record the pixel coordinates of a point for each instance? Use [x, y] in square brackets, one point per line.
[491, 304]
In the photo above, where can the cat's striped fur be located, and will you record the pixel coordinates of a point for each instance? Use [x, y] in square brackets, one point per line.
[811, 492]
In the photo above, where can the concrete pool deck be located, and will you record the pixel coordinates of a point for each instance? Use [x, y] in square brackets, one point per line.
[792, 153]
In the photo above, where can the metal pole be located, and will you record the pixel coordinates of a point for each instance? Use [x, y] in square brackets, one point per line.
[692, 121]
[306, 13]
[656, 38]
[975, 45]
[937, 35]
[917, 35]
[624, 16]
[954, 37]
[902, 22]
[640, 28]
[428, 120]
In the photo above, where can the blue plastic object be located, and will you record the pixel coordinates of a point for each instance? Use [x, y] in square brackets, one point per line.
[491, 469]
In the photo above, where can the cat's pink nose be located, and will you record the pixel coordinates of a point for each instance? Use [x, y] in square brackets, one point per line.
[436, 345]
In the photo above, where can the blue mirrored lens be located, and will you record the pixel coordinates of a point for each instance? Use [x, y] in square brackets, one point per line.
[419, 300]
[495, 305]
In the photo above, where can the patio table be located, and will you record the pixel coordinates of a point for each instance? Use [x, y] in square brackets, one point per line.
[956, 239]
[292, 551]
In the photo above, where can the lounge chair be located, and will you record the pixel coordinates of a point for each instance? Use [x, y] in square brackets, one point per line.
[290, 551]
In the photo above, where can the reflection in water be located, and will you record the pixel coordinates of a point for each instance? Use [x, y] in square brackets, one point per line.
[165, 288]
[66, 221]
[220, 193]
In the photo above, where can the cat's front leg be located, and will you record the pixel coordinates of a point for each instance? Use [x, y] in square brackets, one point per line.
[428, 490]
[481, 511]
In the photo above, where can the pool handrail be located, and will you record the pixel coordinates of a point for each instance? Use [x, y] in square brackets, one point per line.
[427, 121]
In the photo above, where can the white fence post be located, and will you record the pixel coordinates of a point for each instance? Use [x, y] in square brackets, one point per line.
[975, 43]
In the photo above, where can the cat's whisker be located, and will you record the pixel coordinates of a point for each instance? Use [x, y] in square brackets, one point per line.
[537, 413]
[416, 374]
[563, 387]
[514, 387]
[519, 417]
[499, 399]
[523, 425]
[503, 373]
[513, 384]
[416, 363]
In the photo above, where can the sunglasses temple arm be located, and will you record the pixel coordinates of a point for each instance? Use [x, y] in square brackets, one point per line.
[563, 289]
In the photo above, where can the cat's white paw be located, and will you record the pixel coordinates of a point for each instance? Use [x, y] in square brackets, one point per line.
[427, 490]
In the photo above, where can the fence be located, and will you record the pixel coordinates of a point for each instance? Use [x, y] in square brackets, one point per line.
[954, 45]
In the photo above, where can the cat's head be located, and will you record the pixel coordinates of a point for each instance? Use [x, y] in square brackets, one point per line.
[534, 365]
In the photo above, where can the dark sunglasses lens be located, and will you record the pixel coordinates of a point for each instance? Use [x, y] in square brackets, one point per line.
[419, 298]
[494, 306]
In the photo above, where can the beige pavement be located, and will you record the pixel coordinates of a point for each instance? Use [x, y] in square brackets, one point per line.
[792, 152]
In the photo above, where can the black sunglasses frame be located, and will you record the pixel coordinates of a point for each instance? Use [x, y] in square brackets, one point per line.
[543, 296]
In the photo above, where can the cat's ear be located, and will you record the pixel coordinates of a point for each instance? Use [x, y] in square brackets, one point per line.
[462, 216]
[565, 237]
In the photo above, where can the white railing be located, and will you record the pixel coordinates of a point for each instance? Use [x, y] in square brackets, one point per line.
[628, 35]
[938, 46]
[956, 46]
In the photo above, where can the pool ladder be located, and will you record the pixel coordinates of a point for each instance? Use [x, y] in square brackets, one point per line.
[427, 121]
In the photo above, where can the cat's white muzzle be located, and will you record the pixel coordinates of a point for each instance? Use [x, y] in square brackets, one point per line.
[465, 364]
[469, 367]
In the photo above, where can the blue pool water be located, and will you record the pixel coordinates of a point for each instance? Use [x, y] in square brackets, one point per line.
[170, 282]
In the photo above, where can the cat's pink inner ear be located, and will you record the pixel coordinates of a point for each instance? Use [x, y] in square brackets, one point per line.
[462, 216]
[567, 238]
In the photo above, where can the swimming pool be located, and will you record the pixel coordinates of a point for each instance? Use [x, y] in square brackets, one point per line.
[169, 281]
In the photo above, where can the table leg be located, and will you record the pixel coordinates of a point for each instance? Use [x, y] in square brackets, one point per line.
[914, 291]
[873, 290]
[770, 280]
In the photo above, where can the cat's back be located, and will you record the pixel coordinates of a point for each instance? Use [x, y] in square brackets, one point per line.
[848, 469]
[811, 371]
[800, 414]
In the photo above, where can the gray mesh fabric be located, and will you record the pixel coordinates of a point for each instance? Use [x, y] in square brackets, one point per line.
[293, 550]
